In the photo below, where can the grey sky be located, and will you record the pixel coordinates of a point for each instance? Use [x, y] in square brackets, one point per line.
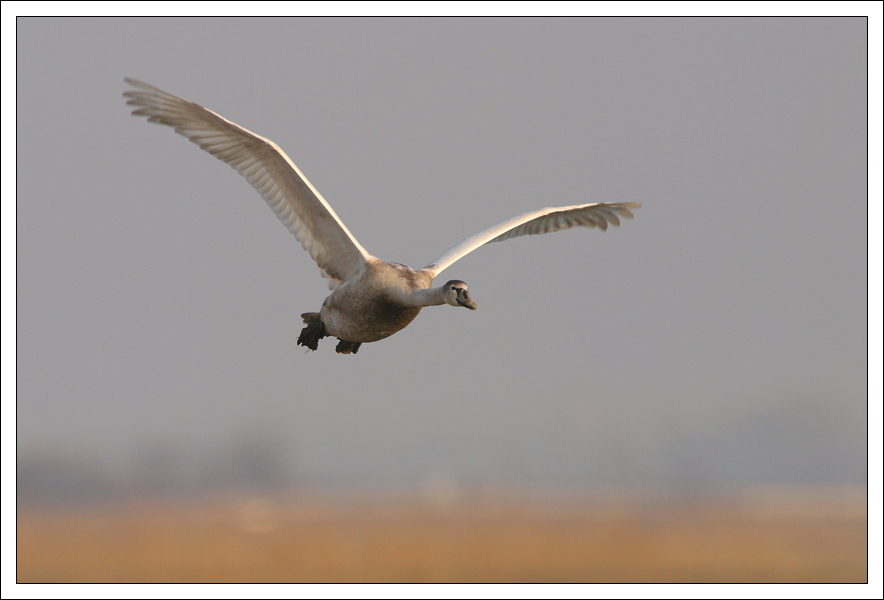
[718, 337]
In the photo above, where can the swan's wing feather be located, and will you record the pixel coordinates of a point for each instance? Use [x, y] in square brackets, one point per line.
[540, 221]
[264, 165]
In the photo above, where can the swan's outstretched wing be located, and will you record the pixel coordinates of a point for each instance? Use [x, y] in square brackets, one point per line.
[297, 203]
[544, 220]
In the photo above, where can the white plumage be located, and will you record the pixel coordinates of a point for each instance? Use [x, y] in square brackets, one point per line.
[371, 299]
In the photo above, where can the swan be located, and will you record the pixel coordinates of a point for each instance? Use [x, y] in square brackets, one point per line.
[371, 299]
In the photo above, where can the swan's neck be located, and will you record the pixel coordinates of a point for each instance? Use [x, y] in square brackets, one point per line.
[425, 297]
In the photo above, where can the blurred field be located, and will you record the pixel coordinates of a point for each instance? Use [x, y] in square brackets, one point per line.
[452, 537]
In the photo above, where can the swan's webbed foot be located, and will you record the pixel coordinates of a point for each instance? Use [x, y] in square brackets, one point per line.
[314, 331]
[345, 347]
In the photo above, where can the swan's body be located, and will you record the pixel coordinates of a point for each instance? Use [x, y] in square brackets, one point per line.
[371, 299]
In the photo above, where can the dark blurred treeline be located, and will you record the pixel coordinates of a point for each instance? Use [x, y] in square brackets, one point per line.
[155, 471]
[804, 443]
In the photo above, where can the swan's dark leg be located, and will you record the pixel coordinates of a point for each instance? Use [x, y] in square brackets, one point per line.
[345, 347]
[314, 331]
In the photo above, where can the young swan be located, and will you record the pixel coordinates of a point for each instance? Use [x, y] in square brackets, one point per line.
[371, 299]
[378, 306]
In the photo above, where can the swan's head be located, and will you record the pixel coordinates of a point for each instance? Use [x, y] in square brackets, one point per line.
[456, 293]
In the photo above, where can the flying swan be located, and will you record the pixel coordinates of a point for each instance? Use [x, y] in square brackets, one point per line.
[371, 299]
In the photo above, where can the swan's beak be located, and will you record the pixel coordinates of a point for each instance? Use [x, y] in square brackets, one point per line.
[463, 298]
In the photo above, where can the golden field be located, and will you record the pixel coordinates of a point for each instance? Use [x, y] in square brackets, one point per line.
[773, 536]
